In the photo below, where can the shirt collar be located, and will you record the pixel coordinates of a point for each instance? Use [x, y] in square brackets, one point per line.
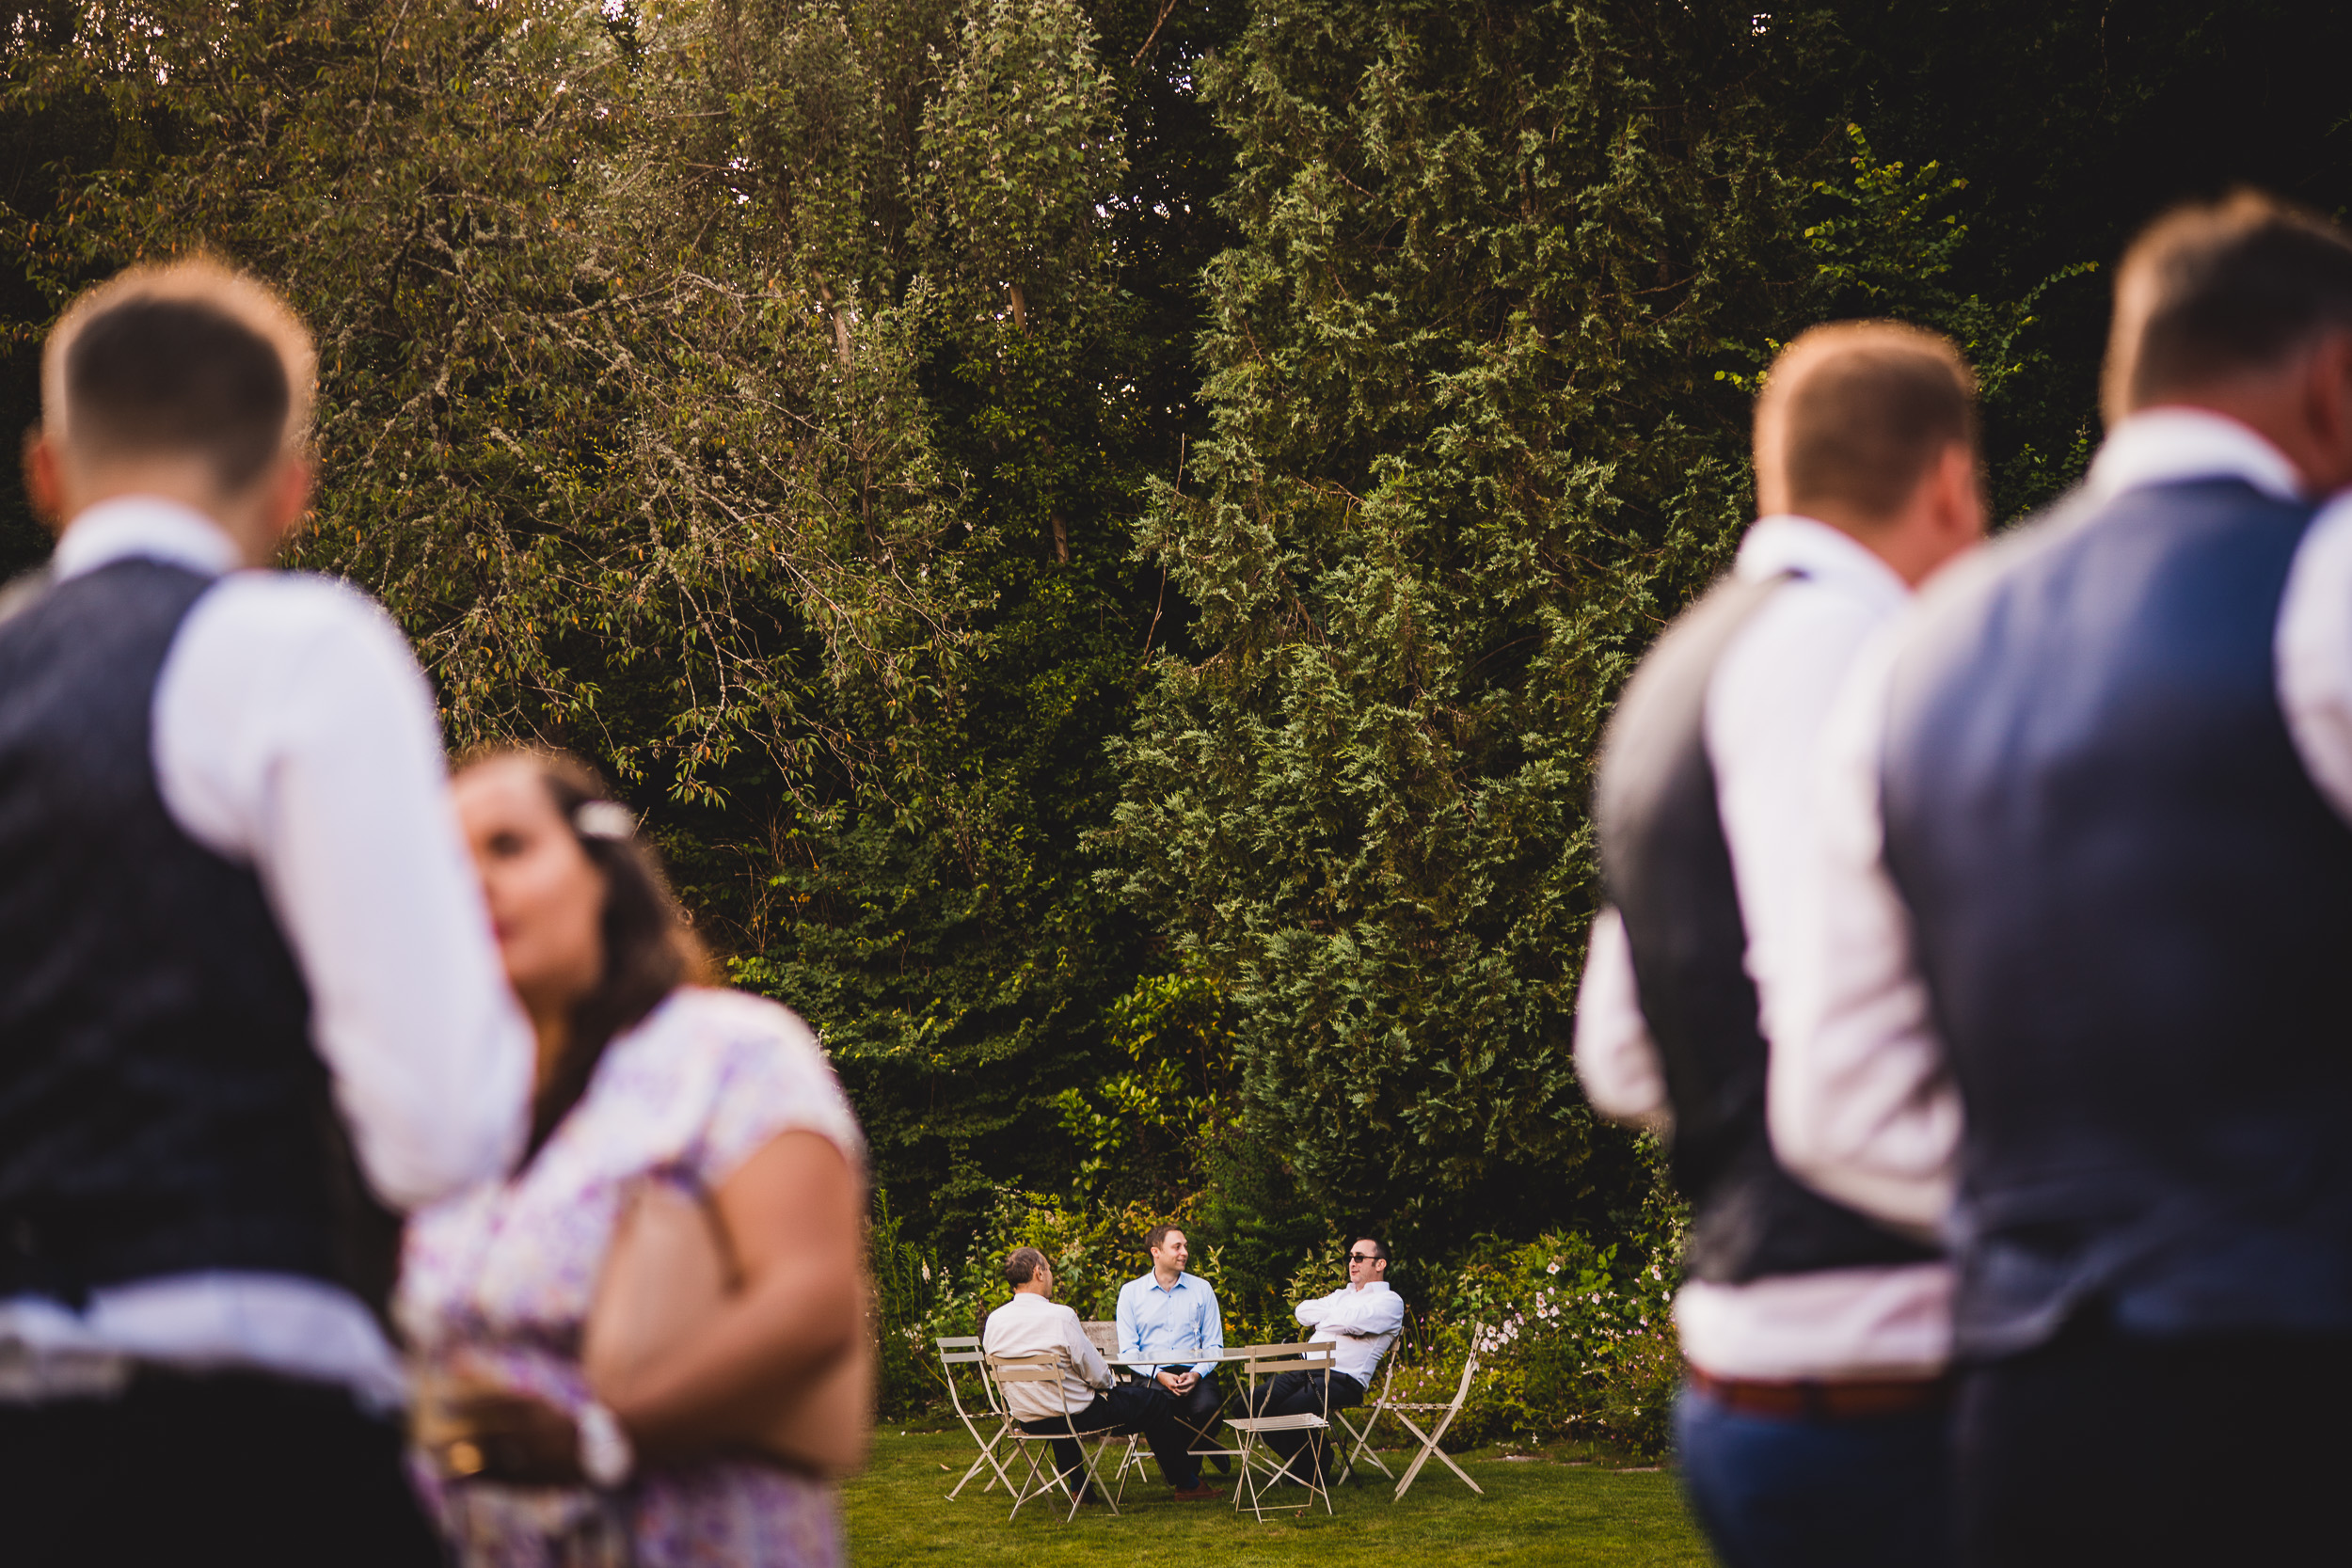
[1371, 1285]
[148, 526]
[1786, 542]
[2174, 445]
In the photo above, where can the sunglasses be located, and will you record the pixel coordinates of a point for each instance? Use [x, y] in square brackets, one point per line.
[1365, 1257]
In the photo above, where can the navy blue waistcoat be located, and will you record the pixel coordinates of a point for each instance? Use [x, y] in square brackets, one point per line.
[161, 1107]
[1668, 869]
[2133, 915]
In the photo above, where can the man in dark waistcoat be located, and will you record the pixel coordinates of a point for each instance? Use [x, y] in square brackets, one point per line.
[1812, 1427]
[250, 999]
[2083, 990]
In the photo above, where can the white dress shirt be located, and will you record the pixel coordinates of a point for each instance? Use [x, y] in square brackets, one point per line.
[293, 733]
[1028, 1323]
[1766, 702]
[1862, 1103]
[1360, 1321]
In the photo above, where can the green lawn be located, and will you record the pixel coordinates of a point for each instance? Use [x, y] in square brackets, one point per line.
[1535, 1510]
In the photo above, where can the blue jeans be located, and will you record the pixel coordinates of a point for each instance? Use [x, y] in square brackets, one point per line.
[1776, 1492]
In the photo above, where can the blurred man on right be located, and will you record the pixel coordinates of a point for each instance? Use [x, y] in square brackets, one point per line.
[2078, 988]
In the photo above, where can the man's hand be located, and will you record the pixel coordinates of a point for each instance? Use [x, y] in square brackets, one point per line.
[1178, 1384]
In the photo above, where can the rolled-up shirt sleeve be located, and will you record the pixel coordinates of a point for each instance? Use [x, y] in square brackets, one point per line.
[1617, 1060]
[1860, 1099]
[1083, 1355]
[295, 732]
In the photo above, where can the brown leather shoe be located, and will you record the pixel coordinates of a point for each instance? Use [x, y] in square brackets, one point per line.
[1202, 1492]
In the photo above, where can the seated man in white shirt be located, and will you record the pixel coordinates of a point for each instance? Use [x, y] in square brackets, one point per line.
[1088, 1395]
[1360, 1321]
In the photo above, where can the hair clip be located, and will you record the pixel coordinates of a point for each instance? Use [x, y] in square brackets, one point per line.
[603, 819]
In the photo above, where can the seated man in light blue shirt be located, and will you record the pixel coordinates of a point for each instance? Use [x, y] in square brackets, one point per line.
[1169, 1312]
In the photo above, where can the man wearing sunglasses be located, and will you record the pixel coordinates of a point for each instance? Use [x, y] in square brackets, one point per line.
[1361, 1323]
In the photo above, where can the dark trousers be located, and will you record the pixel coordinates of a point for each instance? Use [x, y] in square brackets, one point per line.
[2096, 1447]
[1302, 1394]
[233, 1469]
[1775, 1492]
[1143, 1408]
[1197, 1407]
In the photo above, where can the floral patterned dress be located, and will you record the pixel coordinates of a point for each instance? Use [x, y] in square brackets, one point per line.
[496, 1283]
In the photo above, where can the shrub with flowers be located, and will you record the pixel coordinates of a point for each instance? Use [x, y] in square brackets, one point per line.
[1574, 1341]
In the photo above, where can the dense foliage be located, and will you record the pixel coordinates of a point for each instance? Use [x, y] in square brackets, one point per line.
[1102, 532]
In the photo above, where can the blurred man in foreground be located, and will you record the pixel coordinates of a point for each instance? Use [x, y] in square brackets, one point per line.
[2080, 992]
[248, 988]
[1813, 1423]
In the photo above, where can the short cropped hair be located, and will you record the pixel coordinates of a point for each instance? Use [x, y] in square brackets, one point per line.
[1021, 1266]
[1854, 414]
[1382, 1246]
[2215, 289]
[186, 358]
[1158, 1233]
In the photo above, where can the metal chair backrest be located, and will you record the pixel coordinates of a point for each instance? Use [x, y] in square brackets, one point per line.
[1310, 1358]
[1461, 1389]
[1037, 1366]
[965, 1351]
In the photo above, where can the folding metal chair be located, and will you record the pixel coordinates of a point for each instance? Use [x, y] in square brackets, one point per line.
[1255, 1472]
[1363, 1448]
[1429, 1439]
[1052, 1367]
[966, 1352]
[1103, 1333]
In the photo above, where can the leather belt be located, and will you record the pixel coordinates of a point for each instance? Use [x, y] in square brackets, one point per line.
[1813, 1399]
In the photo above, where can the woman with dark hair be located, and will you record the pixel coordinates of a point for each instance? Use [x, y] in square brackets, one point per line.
[645, 1074]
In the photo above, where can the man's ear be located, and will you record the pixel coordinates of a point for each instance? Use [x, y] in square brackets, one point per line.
[289, 498]
[1961, 504]
[2327, 407]
[44, 480]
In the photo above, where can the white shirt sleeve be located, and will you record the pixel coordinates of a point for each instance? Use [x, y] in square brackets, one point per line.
[1768, 704]
[1860, 1100]
[2313, 650]
[1083, 1355]
[295, 732]
[1617, 1060]
[1364, 1312]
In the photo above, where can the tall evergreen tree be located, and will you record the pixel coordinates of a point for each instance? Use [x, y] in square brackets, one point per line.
[1474, 444]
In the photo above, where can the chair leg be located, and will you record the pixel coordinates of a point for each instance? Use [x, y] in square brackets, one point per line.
[1037, 1483]
[1089, 1477]
[1429, 1447]
[987, 1459]
[1363, 1449]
